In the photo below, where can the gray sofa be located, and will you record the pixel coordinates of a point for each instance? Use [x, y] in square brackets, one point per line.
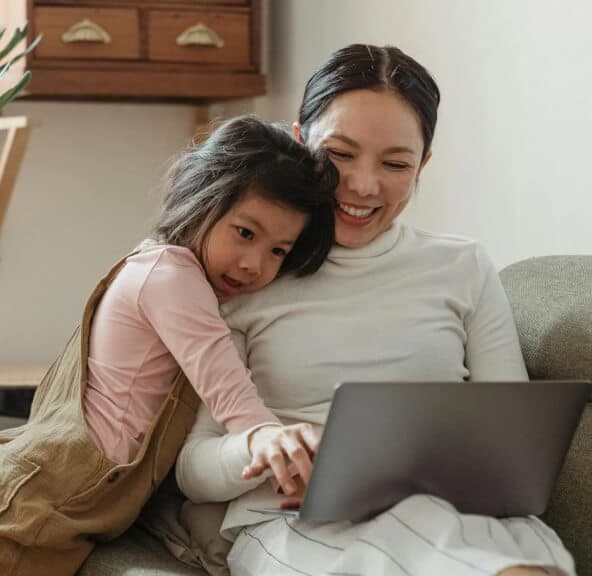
[551, 298]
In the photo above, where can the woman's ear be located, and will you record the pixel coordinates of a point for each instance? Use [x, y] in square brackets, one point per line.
[297, 132]
[424, 162]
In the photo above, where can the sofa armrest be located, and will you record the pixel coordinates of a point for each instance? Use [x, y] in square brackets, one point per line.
[551, 299]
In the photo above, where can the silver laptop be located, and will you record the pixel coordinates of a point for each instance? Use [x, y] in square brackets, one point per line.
[491, 448]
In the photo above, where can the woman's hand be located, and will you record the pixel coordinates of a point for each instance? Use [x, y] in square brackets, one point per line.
[276, 447]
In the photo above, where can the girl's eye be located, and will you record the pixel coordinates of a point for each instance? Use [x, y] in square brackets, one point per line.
[245, 233]
[279, 252]
[339, 154]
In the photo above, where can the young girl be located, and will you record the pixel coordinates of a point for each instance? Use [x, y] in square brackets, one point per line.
[246, 205]
[111, 414]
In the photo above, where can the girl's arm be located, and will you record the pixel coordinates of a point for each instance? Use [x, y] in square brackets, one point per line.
[180, 305]
[492, 350]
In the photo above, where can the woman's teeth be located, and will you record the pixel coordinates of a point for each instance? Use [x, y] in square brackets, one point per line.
[357, 212]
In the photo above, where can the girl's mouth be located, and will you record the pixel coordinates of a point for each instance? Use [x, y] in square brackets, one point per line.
[231, 285]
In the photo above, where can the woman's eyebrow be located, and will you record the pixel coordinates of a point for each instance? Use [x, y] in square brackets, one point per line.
[344, 139]
[354, 144]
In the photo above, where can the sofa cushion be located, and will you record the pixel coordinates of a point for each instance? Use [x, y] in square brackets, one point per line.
[551, 298]
[136, 553]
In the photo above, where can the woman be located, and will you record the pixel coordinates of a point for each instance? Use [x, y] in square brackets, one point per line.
[391, 302]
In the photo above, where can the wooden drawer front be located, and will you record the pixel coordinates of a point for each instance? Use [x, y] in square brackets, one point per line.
[122, 27]
[166, 30]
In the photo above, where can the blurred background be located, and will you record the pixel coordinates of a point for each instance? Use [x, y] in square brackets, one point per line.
[510, 162]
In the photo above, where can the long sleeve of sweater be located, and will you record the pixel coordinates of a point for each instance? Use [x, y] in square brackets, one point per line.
[210, 463]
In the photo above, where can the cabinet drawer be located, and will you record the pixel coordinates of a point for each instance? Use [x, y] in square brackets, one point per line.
[206, 37]
[91, 33]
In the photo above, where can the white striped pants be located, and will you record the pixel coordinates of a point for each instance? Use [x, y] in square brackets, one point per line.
[420, 536]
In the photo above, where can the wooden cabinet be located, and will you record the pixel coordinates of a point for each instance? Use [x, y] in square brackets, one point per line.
[186, 50]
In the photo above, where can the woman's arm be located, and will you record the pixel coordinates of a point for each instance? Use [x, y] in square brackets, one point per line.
[492, 350]
[217, 467]
[210, 464]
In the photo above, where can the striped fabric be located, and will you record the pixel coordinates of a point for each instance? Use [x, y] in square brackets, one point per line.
[420, 536]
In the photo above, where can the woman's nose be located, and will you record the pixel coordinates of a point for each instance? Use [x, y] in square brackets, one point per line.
[363, 182]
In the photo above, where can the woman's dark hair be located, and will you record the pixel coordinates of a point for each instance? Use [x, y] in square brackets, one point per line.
[247, 154]
[367, 67]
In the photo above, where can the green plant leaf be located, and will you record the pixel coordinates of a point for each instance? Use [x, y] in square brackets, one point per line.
[16, 58]
[7, 96]
[4, 69]
[17, 36]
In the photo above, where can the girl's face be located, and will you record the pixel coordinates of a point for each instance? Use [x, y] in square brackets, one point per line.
[245, 249]
[375, 141]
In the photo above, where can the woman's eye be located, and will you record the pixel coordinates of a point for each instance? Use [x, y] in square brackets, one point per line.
[279, 252]
[339, 154]
[244, 233]
[396, 165]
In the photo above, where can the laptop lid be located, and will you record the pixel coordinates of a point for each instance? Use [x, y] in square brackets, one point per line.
[491, 448]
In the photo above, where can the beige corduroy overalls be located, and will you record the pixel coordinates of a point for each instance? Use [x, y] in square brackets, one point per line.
[59, 494]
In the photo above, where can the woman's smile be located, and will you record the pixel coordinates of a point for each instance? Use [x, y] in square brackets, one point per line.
[355, 215]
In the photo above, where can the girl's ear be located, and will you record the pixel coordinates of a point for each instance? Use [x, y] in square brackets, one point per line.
[297, 132]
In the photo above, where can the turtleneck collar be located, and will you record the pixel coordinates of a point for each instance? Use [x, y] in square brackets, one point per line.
[382, 244]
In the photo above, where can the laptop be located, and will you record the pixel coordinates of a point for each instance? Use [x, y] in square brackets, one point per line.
[492, 448]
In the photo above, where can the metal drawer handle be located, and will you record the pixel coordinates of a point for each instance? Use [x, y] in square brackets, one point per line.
[199, 35]
[86, 31]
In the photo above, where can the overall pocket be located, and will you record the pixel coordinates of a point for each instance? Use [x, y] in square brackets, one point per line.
[15, 472]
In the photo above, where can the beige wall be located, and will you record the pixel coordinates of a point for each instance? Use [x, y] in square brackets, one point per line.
[511, 154]
[510, 162]
[87, 192]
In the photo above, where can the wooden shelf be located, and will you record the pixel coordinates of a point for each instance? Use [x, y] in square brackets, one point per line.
[21, 375]
[11, 156]
[199, 51]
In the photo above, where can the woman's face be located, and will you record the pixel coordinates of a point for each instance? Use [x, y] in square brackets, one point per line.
[375, 141]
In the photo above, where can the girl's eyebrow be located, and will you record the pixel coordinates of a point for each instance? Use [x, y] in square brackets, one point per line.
[256, 224]
[354, 144]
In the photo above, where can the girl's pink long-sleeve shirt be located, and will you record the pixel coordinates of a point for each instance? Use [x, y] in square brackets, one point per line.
[159, 314]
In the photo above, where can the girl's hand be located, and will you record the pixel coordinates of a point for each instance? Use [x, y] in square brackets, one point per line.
[294, 501]
[270, 446]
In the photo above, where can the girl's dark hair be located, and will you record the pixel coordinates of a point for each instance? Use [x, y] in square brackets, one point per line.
[367, 67]
[245, 154]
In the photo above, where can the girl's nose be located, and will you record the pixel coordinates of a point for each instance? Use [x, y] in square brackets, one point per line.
[251, 262]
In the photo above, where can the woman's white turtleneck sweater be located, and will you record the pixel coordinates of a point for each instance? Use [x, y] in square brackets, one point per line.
[408, 306]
